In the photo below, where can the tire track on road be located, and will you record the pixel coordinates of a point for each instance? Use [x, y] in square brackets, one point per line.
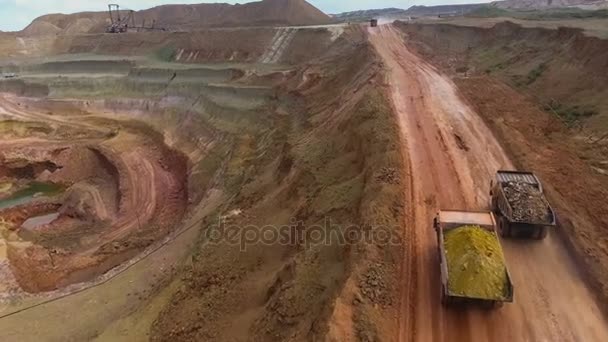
[436, 126]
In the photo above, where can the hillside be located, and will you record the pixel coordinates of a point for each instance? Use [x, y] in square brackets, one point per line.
[441, 9]
[368, 14]
[541, 4]
[460, 9]
[414, 11]
[188, 17]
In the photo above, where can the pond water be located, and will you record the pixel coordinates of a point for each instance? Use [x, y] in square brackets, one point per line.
[28, 193]
[35, 222]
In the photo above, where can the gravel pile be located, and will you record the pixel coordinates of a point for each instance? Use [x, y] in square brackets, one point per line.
[527, 202]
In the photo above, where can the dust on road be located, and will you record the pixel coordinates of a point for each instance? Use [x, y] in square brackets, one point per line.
[452, 157]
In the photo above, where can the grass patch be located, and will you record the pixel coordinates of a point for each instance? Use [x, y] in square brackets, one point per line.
[489, 12]
[570, 114]
[535, 73]
[494, 68]
[339, 196]
[165, 54]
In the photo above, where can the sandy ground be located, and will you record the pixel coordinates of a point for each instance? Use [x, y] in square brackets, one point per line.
[452, 157]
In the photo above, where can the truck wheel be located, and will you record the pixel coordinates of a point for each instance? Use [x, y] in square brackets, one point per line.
[503, 227]
[497, 304]
[445, 300]
[494, 205]
[541, 234]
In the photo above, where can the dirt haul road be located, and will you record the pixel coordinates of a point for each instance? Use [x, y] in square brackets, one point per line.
[452, 157]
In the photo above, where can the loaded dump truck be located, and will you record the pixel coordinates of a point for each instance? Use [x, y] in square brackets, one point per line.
[520, 205]
[471, 260]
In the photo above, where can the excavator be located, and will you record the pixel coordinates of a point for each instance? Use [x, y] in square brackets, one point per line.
[122, 24]
[118, 24]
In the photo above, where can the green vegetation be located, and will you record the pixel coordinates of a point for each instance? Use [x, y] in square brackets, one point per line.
[489, 12]
[536, 73]
[165, 54]
[476, 265]
[570, 114]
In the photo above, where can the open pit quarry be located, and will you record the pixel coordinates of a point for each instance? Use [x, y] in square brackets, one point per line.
[249, 179]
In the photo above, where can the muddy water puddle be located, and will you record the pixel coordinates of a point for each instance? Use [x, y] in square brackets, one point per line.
[38, 221]
[31, 191]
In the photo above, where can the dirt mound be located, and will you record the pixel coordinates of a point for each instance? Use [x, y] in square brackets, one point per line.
[267, 12]
[39, 28]
[80, 25]
[189, 17]
[313, 169]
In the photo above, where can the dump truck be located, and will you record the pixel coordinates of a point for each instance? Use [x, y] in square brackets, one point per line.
[471, 260]
[520, 206]
[373, 23]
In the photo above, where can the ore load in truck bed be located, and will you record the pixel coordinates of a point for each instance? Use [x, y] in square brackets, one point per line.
[528, 203]
[476, 263]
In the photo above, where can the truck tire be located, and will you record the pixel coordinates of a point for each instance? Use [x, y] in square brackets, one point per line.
[494, 205]
[445, 300]
[541, 233]
[497, 305]
[503, 227]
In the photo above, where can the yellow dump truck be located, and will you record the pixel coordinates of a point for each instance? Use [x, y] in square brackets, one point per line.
[471, 260]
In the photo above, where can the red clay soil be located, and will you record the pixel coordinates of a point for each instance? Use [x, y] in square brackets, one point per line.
[188, 17]
[560, 67]
[538, 141]
[435, 120]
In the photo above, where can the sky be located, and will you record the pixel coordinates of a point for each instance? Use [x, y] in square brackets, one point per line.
[16, 14]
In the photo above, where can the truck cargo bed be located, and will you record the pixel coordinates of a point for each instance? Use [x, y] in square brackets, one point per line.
[449, 220]
[519, 202]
